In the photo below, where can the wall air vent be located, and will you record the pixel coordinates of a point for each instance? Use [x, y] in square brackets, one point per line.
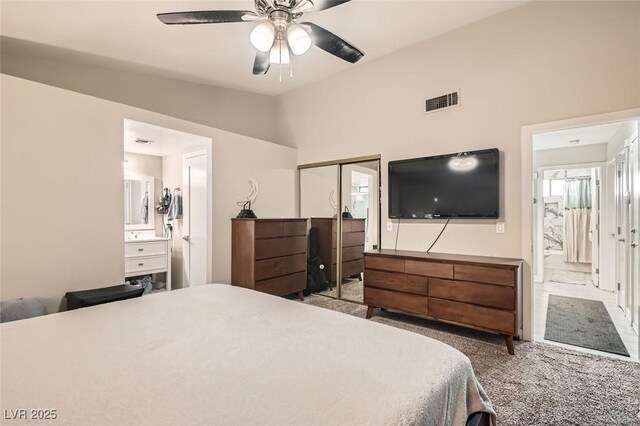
[446, 101]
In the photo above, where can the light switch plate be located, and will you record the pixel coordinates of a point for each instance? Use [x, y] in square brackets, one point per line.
[389, 226]
[499, 227]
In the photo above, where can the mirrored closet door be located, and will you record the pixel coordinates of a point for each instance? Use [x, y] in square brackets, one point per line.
[360, 223]
[341, 199]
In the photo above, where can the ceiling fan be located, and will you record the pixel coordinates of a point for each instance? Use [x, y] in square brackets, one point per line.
[278, 35]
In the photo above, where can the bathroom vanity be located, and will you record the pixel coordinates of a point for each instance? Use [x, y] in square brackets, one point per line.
[147, 255]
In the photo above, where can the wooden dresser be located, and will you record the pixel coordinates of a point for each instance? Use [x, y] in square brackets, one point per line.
[269, 255]
[475, 291]
[352, 245]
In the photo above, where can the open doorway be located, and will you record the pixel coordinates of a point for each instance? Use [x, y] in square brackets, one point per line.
[173, 251]
[578, 262]
[570, 215]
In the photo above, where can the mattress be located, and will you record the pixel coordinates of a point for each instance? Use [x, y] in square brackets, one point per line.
[222, 355]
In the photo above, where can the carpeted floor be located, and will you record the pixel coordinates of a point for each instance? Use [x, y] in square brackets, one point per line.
[541, 385]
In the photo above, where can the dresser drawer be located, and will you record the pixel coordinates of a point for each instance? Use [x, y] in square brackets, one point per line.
[281, 286]
[384, 263]
[484, 274]
[349, 225]
[395, 281]
[349, 254]
[350, 239]
[395, 300]
[143, 264]
[269, 229]
[352, 268]
[429, 269]
[279, 247]
[279, 266]
[476, 316]
[479, 294]
[293, 228]
[153, 248]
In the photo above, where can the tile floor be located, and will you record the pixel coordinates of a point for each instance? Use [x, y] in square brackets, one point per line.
[589, 291]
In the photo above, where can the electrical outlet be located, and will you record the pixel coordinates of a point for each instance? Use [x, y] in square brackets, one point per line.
[389, 226]
[499, 227]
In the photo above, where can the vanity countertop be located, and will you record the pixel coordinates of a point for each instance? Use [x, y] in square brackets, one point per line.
[143, 239]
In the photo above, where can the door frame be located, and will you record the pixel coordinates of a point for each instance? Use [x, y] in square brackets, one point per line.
[538, 224]
[526, 167]
[206, 151]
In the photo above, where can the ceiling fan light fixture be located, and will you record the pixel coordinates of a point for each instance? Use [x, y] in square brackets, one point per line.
[280, 52]
[262, 36]
[298, 39]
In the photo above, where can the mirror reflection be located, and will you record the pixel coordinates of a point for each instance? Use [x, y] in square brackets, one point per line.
[319, 203]
[357, 205]
[360, 224]
[138, 198]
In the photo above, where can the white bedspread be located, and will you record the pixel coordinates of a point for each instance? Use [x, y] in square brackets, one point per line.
[222, 355]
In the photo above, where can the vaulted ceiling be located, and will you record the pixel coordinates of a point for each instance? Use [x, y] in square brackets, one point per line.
[127, 35]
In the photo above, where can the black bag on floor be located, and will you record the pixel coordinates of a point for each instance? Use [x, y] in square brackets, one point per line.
[316, 271]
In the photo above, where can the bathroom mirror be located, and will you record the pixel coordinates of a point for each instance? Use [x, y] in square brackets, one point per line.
[138, 203]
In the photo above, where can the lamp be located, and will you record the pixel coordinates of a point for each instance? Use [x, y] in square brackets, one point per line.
[262, 36]
[298, 38]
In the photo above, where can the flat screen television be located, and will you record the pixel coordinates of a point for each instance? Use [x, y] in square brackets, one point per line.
[460, 185]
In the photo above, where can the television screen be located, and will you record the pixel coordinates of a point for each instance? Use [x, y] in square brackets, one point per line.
[462, 185]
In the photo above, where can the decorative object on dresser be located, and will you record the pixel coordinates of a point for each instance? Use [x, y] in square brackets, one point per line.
[475, 291]
[269, 255]
[147, 255]
[352, 245]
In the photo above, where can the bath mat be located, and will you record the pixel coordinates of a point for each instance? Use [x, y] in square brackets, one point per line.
[582, 322]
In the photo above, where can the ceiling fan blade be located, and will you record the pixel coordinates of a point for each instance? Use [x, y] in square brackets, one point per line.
[326, 4]
[262, 63]
[333, 44]
[302, 6]
[207, 17]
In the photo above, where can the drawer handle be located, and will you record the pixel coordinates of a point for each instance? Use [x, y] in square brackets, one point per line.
[140, 264]
[140, 249]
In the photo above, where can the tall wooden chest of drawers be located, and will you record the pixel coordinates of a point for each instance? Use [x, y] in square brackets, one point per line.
[269, 255]
[353, 238]
[475, 291]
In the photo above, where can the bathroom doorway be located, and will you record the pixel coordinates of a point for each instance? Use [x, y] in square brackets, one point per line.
[180, 209]
[582, 223]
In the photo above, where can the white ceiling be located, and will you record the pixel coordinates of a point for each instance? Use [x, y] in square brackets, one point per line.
[586, 135]
[129, 34]
[165, 141]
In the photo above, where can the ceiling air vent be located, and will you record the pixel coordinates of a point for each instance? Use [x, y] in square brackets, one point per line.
[439, 103]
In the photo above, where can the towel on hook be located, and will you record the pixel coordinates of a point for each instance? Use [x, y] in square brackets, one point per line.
[175, 208]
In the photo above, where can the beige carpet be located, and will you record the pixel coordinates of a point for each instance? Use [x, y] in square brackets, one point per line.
[541, 385]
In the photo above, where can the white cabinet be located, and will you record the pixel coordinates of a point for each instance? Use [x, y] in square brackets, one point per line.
[147, 256]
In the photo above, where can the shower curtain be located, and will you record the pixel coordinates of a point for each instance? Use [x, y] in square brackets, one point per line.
[577, 219]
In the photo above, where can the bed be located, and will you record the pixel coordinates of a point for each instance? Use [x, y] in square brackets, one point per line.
[225, 355]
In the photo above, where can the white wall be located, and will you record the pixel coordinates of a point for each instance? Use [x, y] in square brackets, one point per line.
[147, 165]
[593, 153]
[541, 62]
[621, 137]
[62, 192]
[236, 111]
